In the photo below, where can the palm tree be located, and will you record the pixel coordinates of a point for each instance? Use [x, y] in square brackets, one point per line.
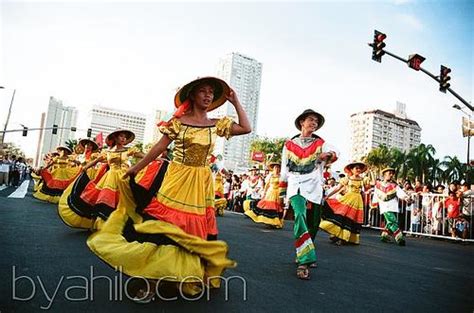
[269, 146]
[454, 168]
[419, 158]
[377, 159]
[71, 143]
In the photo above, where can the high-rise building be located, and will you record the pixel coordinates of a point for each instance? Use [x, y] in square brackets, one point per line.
[371, 129]
[159, 116]
[62, 116]
[106, 120]
[244, 75]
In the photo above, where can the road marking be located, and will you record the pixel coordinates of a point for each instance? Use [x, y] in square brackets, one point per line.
[3, 187]
[21, 191]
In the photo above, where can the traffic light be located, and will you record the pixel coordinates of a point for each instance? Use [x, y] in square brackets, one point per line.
[414, 61]
[378, 45]
[89, 132]
[444, 78]
[25, 131]
[55, 129]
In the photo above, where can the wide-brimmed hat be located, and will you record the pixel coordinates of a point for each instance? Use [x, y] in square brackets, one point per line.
[221, 89]
[388, 169]
[66, 149]
[348, 167]
[307, 112]
[85, 141]
[110, 139]
[271, 165]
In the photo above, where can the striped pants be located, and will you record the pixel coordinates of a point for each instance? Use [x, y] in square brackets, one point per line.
[305, 249]
[391, 227]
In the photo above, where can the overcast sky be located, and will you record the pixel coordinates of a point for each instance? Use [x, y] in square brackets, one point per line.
[133, 56]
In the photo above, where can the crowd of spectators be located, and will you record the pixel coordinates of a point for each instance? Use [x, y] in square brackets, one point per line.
[13, 170]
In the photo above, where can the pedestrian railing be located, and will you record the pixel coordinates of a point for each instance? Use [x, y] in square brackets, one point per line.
[426, 215]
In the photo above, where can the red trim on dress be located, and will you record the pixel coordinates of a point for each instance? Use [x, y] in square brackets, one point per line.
[339, 208]
[194, 224]
[54, 183]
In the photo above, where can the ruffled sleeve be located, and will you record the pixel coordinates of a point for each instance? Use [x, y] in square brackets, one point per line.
[224, 126]
[344, 181]
[171, 129]
[132, 151]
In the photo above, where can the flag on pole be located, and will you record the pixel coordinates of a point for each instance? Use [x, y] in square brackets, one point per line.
[99, 139]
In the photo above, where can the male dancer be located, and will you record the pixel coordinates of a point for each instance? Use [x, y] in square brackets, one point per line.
[386, 195]
[303, 160]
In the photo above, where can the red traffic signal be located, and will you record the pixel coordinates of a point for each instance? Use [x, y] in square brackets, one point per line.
[414, 61]
[444, 78]
[378, 45]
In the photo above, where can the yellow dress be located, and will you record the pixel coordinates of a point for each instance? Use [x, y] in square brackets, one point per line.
[186, 197]
[343, 217]
[220, 200]
[267, 210]
[105, 191]
[55, 181]
[71, 210]
[160, 249]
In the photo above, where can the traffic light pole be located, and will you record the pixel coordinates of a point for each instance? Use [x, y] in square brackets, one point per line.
[38, 128]
[467, 104]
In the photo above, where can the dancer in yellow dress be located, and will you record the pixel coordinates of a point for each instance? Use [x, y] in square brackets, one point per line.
[220, 200]
[57, 180]
[342, 218]
[269, 208]
[71, 208]
[180, 220]
[106, 191]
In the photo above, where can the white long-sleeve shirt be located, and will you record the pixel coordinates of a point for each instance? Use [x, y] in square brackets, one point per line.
[386, 195]
[301, 168]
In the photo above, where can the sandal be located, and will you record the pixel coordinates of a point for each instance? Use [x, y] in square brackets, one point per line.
[302, 272]
[144, 296]
[313, 265]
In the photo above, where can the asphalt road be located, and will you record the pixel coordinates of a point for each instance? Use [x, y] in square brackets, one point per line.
[46, 266]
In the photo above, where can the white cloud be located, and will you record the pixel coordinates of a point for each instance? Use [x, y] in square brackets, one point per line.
[411, 21]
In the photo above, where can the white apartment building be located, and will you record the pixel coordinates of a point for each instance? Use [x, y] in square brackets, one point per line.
[106, 120]
[244, 75]
[371, 129]
[160, 115]
[62, 116]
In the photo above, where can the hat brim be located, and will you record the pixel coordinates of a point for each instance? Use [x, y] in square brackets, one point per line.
[64, 148]
[388, 169]
[348, 167]
[85, 141]
[110, 139]
[303, 115]
[221, 89]
[273, 164]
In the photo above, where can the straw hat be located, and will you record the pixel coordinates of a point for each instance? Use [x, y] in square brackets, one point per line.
[85, 141]
[64, 148]
[110, 139]
[348, 167]
[388, 169]
[221, 89]
[307, 112]
[271, 165]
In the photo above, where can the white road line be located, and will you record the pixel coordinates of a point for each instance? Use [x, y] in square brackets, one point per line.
[21, 191]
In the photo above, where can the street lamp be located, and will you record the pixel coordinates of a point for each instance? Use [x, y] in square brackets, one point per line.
[8, 116]
[458, 107]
